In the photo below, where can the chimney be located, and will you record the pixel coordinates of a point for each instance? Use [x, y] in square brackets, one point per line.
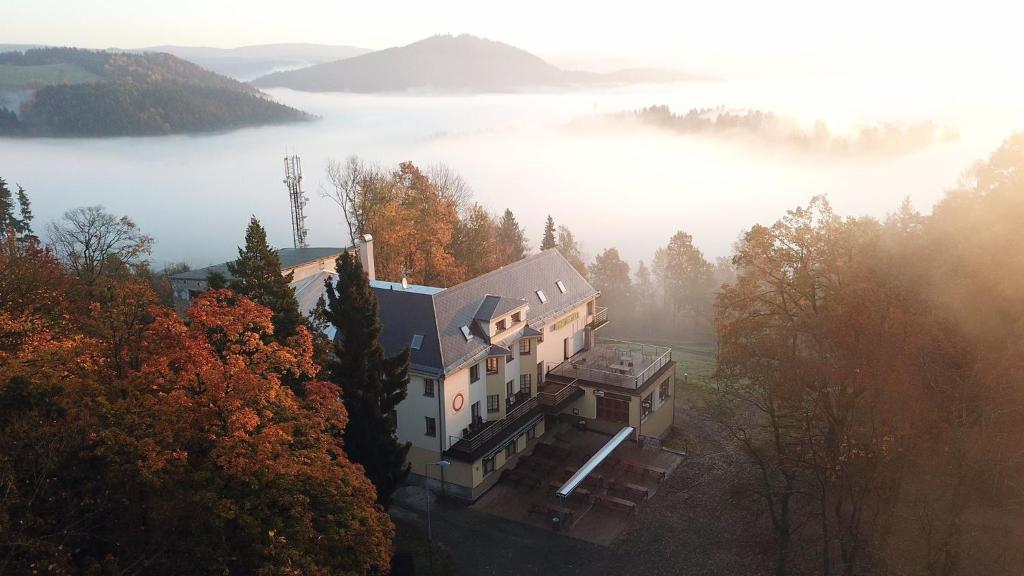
[366, 255]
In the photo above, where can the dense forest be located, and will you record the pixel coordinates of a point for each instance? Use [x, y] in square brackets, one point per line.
[765, 126]
[135, 94]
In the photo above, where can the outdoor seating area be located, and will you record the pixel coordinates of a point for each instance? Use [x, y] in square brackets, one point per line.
[616, 363]
[604, 503]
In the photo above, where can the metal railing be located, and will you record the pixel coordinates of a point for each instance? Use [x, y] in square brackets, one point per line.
[556, 398]
[600, 317]
[472, 443]
[655, 358]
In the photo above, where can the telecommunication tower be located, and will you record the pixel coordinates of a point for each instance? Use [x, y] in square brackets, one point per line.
[293, 181]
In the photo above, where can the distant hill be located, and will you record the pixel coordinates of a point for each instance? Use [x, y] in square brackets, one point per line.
[72, 92]
[248, 62]
[448, 63]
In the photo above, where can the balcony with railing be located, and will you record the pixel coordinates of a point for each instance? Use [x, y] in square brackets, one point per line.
[627, 365]
[476, 439]
[599, 318]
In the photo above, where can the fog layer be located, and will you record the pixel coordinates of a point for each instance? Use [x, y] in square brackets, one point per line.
[630, 189]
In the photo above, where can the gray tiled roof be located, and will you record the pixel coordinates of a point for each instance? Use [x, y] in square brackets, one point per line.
[439, 314]
[405, 312]
[290, 258]
[496, 306]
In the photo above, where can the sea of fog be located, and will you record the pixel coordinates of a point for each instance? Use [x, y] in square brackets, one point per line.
[631, 189]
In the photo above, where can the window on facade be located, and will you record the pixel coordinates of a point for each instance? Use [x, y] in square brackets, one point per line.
[531, 433]
[431, 426]
[525, 382]
[541, 296]
[475, 411]
[561, 287]
[646, 406]
[492, 365]
[524, 346]
[488, 465]
[474, 373]
[510, 450]
[509, 358]
[492, 403]
[501, 325]
[663, 390]
[417, 341]
[517, 317]
[508, 390]
[428, 387]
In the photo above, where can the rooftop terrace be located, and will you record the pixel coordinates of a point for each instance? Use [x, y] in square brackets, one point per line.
[618, 363]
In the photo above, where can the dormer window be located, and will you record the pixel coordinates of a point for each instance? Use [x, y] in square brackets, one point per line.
[417, 341]
[541, 296]
[466, 334]
[561, 287]
[500, 327]
[517, 317]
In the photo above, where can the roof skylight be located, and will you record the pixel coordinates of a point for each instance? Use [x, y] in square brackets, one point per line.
[561, 287]
[541, 296]
[466, 334]
[417, 341]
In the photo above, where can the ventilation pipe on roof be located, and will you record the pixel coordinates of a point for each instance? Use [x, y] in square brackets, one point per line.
[366, 256]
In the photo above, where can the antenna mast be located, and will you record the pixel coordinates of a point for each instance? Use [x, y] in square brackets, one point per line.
[293, 181]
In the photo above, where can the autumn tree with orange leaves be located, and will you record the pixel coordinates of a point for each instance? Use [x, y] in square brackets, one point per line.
[134, 443]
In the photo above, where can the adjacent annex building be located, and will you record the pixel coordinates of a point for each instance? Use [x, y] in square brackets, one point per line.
[309, 268]
[496, 360]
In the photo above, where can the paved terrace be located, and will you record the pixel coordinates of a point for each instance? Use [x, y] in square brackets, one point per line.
[602, 507]
[616, 363]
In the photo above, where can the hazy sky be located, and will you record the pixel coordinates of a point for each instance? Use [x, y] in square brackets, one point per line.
[789, 36]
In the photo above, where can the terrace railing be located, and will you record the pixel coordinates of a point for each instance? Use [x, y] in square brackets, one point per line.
[575, 368]
[472, 443]
[600, 317]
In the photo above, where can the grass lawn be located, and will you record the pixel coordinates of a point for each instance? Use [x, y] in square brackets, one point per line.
[412, 539]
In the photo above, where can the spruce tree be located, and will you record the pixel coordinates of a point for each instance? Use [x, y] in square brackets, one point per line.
[372, 384]
[257, 275]
[7, 219]
[24, 227]
[511, 240]
[548, 241]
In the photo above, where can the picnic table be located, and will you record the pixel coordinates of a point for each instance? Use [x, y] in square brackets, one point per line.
[616, 503]
[646, 470]
[632, 491]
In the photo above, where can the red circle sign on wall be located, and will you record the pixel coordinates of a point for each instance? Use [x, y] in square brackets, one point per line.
[458, 402]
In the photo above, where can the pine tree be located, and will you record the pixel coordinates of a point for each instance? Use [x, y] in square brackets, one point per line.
[549, 235]
[257, 275]
[24, 226]
[511, 240]
[372, 384]
[7, 219]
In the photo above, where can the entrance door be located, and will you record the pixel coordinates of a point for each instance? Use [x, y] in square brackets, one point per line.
[613, 410]
[567, 347]
[540, 374]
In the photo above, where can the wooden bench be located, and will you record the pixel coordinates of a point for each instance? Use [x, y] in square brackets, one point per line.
[616, 503]
[631, 491]
[646, 470]
[549, 510]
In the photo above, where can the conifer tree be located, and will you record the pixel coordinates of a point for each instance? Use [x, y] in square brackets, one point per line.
[548, 241]
[24, 226]
[511, 240]
[257, 275]
[372, 384]
[7, 219]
